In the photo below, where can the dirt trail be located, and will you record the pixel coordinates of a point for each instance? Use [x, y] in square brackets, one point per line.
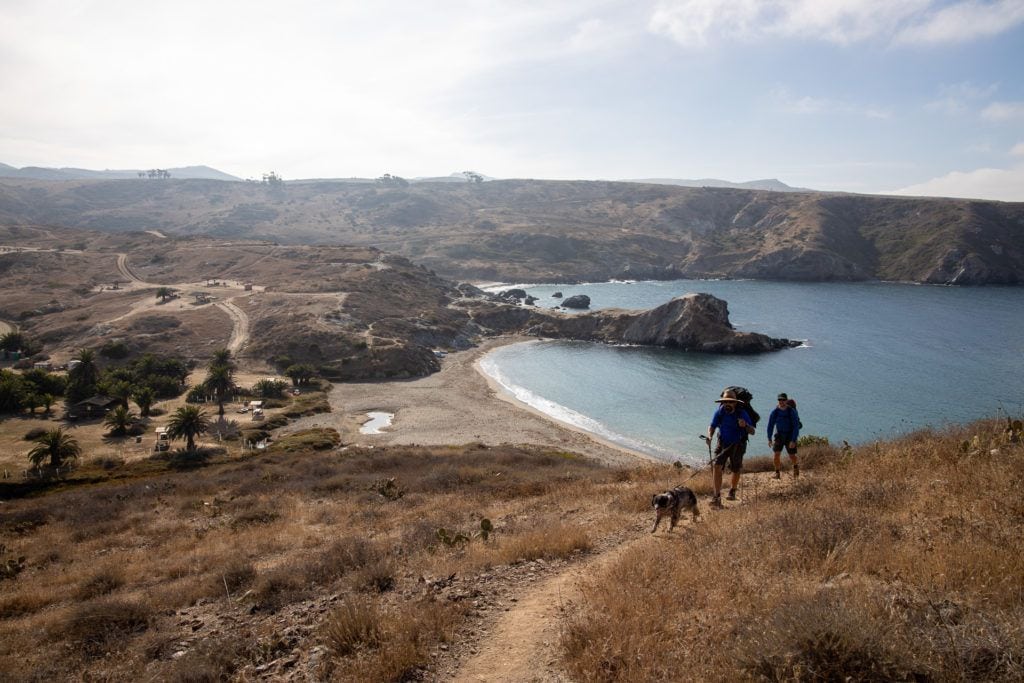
[523, 644]
[122, 267]
[240, 326]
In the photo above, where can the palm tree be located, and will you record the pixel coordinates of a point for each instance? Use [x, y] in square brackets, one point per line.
[120, 420]
[58, 446]
[186, 423]
[220, 382]
[144, 397]
[222, 357]
[82, 378]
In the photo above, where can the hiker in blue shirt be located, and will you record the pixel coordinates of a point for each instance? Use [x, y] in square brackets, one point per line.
[733, 424]
[785, 423]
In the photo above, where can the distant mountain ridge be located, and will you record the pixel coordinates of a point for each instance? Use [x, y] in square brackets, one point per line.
[563, 231]
[767, 184]
[42, 173]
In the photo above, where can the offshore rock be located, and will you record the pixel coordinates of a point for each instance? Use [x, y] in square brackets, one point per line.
[577, 301]
[694, 322]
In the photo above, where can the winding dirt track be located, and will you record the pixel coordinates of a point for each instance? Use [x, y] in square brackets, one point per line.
[240, 328]
[523, 645]
[239, 320]
[122, 267]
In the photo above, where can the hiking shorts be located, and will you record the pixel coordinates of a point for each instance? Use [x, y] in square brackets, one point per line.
[782, 440]
[732, 454]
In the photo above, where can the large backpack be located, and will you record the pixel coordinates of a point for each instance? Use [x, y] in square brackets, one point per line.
[745, 397]
[792, 404]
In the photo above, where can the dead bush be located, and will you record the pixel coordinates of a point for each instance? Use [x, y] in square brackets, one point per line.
[826, 637]
[211, 661]
[353, 626]
[545, 543]
[235, 576]
[96, 628]
[342, 556]
[389, 647]
[101, 583]
[280, 586]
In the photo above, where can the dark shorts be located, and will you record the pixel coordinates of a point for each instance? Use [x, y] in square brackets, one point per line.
[783, 440]
[732, 454]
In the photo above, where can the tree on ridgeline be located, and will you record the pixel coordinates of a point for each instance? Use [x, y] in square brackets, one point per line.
[56, 446]
[187, 423]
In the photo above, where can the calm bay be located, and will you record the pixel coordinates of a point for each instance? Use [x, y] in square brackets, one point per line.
[878, 359]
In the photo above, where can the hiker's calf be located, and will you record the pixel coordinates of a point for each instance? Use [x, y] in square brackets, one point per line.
[671, 504]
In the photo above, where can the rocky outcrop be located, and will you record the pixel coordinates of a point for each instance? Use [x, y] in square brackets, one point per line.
[695, 322]
[577, 301]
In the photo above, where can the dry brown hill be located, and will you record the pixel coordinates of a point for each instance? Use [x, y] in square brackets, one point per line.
[528, 230]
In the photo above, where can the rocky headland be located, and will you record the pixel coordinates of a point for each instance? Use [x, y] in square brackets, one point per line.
[694, 322]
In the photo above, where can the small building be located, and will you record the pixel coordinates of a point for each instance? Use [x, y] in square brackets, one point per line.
[43, 365]
[247, 286]
[95, 406]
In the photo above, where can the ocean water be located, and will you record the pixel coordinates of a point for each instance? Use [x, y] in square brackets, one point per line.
[878, 359]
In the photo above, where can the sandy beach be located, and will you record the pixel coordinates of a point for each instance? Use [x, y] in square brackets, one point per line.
[457, 405]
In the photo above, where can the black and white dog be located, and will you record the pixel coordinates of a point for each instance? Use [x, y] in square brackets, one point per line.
[671, 504]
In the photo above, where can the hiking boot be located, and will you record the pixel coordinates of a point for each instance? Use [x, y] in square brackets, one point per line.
[796, 471]
[777, 475]
[732, 495]
[716, 503]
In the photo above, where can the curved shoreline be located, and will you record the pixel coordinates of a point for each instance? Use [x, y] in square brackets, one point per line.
[458, 405]
[503, 393]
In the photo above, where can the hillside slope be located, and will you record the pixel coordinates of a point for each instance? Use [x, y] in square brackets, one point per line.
[526, 230]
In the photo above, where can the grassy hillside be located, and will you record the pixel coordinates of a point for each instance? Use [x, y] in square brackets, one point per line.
[898, 560]
[525, 230]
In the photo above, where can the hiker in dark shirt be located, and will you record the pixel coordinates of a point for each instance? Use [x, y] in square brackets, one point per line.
[784, 422]
[733, 424]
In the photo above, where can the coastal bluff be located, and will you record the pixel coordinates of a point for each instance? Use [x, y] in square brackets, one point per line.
[693, 322]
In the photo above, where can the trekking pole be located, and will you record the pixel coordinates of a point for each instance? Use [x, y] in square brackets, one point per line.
[707, 439]
[705, 465]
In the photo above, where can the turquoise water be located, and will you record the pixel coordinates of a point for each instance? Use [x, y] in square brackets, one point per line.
[879, 359]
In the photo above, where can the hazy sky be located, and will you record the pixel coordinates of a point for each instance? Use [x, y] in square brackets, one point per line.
[921, 96]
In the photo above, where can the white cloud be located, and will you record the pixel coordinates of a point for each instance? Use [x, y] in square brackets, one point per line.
[696, 23]
[1003, 111]
[1004, 184]
[1018, 150]
[965, 21]
[957, 98]
[784, 100]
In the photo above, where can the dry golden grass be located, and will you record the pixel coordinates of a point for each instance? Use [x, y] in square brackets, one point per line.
[896, 561]
[110, 563]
